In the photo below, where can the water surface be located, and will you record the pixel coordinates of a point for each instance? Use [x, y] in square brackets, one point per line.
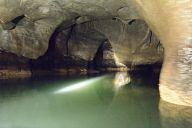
[57, 102]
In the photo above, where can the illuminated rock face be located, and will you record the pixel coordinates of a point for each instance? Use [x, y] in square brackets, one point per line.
[102, 45]
[110, 43]
[28, 25]
[173, 27]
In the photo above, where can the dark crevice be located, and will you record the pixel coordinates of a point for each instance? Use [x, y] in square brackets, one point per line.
[100, 61]
[114, 18]
[97, 61]
[12, 24]
[131, 22]
[159, 44]
[69, 37]
[150, 37]
[146, 74]
[146, 41]
[17, 19]
[47, 60]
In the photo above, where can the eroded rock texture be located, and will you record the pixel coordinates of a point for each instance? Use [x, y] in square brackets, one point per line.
[103, 44]
[27, 25]
[89, 34]
[100, 45]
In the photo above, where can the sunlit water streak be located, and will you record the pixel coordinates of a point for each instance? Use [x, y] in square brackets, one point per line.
[79, 85]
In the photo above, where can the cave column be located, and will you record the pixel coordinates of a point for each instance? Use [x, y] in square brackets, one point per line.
[171, 20]
[176, 75]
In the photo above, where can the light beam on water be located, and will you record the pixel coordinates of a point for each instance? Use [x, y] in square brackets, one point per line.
[79, 85]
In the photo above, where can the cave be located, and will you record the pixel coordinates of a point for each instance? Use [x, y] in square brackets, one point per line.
[95, 64]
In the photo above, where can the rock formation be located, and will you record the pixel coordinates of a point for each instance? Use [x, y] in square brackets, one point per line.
[98, 45]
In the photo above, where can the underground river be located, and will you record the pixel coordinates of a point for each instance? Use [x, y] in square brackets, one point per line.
[92, 101]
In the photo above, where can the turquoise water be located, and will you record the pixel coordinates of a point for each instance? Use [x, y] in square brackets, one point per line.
[86, 102]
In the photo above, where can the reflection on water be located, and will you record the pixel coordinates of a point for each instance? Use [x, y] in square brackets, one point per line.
[32, 103]
[175, 116]
[121, 79]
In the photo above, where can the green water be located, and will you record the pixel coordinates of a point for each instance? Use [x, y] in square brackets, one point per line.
[98, 103]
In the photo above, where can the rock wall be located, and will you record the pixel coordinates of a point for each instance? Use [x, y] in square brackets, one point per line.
[12, 66]
[93, 46]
